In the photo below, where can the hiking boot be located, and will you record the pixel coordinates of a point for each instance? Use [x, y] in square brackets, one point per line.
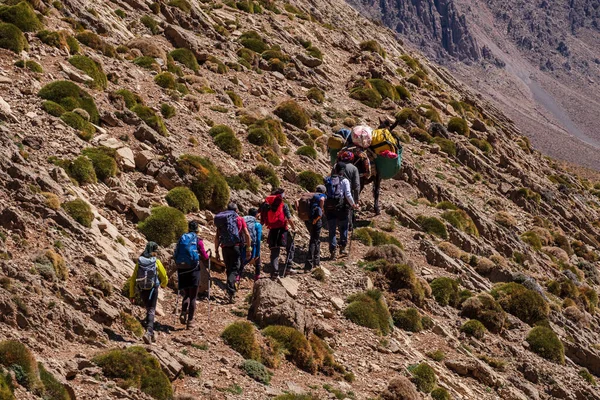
[190, 325]
[274, 275]
[147, 338]
[343, 251]
[153, 337]
[377, 210]
[231, 299]
[333, 254]
[183, 318]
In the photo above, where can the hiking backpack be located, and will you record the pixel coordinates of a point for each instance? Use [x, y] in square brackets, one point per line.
[251, 222]
[335, 194]
[307, 206]
[186, 251]
[227, 224]
[272, 214]
[147, 276]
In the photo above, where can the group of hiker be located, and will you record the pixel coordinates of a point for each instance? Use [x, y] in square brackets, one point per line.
[238, 238]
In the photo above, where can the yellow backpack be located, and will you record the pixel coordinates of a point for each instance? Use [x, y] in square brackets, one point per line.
[383, 140]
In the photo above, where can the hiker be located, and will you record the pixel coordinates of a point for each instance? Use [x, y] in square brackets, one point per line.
[339, 201]
[189, 257]
[255, 230]
[314, 226]
[148, 275]
[231, 233]
[276, 216]
[351, 172]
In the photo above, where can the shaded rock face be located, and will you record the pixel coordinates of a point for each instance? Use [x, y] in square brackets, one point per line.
[432, 24]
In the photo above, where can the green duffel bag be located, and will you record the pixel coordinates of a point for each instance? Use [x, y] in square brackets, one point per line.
[389, 167]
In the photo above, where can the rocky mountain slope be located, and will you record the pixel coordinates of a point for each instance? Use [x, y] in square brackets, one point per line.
[536, 60]
[479, 281]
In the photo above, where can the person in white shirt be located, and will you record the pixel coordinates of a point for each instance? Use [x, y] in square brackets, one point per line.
[337, 207]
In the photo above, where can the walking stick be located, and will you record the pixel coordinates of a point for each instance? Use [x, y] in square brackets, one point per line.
[289, 252]
[209, 283]
[351, 232]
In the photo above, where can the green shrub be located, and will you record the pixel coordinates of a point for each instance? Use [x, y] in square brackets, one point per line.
[218, 129]
[411, 62]
[16, 356]
[30, 65]
[209, 185]
[484, 308]
[309, 180]
[461, 220]
[446, 145]
[385, 89]
[294, 396]
[153, 120]
[408, 319]
[235, 98]
[482, 145]
[364, 92]
[53, 108]
[146, 62]
[544, 342]
[253, 41]
[70, 96]
[243, 181]
[433, 225]
[314, 52]
[90, 39]
[183, 5]
[92, 69]
[185, 57]
[270, 126]
[21, 15]
[424, 377]
[403, 92]
[408, 114]
[458, 125]
[12, 38]
[369, 309]
[167, 110]
[6, 388]
[135, 367]
[267, 174]
[373, 237]
[532, 239]
[182, 199]
[131, 324]
[526, 304]
[131, 99]
[166, 80]
[82, 170]
[316, 94]
[73, 45]
[415, 80]
[97, 281]
[473, 328]
[372, 46]
[230, 144]
[439, 393]
[164, 225]
[260, 136]
[307, 151]
[240, 336]
[150, 23]
[585, 374]
[80, 211]
[257, 371]
[103, 160]
[421, 135]
[120, 13]
[85, 130]
[445, 291]
[292, 113]
[431, 113]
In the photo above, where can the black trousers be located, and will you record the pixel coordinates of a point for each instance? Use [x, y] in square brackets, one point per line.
[232, 257]
[150, 297]
[188, 305]
[314, 246]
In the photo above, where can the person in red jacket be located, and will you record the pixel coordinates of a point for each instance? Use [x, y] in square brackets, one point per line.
[276, 216]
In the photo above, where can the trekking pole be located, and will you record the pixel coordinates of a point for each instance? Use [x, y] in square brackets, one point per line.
[209, 283]
[289, 252]
[351, 233]
[175, 312]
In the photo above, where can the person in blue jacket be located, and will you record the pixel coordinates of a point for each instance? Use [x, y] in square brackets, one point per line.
[255, 229]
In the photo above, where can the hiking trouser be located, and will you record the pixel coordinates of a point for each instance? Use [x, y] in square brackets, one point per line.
[233, 260]
[188, 304]
[279, 238]
[335, 221]
[254, 256]
[314, 245]
[150, 297]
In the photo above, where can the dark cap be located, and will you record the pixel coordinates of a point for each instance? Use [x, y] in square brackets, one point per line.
[193, 226]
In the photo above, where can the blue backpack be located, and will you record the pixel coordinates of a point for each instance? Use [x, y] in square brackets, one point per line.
[229, 233]
[186, 251]
[252, 228]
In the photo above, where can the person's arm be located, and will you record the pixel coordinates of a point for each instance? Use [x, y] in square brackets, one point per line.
[259, 232]
[162, 274]
[288, 216]
[347, 192]
[202, 250]
[132, 282]
[217, 244]
[356, 180]
[247, 235]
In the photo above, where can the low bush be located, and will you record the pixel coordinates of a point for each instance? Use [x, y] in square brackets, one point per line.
[400, 388]
[235, 98]
[257, 371]
[81, 170]
[131, 324]
[253, 41]
[135, 367]
[22, 15]
[164, 225]
[385, 89]
[532, 239]
[445, 291]
[267, 174]
[70, 96]
[147, 63]
[392, 253]
[182, 199]
[307, 151]
[241, 337]
[185, 57]
[80, 211]
[209, 185]
[92, 69]
[424, 377]
[295, 344]
[243, 181]
[544, 342]
[218, 129]
[183, 5]
[369, 309]
[408, 114]
[85, 130]
[408, 319]
[103, 160]
[439, 393]
[433, 225]
[458, 125]
[421, 135]
[415, 80]
[482, 145]
[292, 113]
[316, 95]
[166, 80]
[505, 219]
[446, 145]
[484, 308]
[260, 136]
[401, 280]
[403, 92]
[15, 356]
[97, 281]
[12, 38]
[373, 237]
[367, 95]
[150, 23]
[52, 108]
[51, 387]
[309, 180]
[473, 328]
[130, 98]
[230, 144]
[167, 110]
[52, 200]
[94, 41]
[372, 46]
[266, 131]
[526, 304]
[446, 205]
[461, 220]
[30, 65]
[58, 264]
[153, 120]
[586, 376]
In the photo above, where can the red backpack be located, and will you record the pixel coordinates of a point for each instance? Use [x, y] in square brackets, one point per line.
[272, 214]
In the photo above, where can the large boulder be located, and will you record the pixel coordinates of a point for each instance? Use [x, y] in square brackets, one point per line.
[271, 305]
